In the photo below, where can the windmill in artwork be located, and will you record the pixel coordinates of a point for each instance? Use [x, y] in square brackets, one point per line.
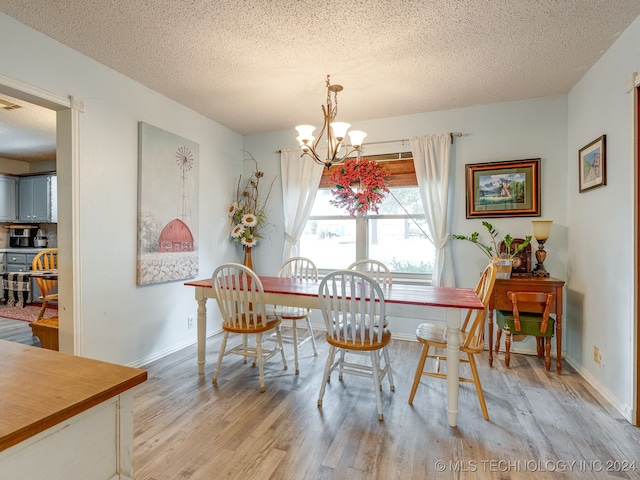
[184, 159]
[176, 235]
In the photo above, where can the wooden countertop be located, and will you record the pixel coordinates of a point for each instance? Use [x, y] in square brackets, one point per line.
[41, 388]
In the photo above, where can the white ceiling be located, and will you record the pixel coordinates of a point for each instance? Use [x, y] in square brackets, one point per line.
[260, 65]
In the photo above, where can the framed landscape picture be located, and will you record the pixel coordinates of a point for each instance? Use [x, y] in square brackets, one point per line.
[503, 189]
[592, 166]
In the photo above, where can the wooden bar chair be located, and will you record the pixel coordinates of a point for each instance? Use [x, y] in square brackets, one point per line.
[46, 260]
[303, 269]
[240, 297]
[471, 340]
[521, 324]
[351, 304]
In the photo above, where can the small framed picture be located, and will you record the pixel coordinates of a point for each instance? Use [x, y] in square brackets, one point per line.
[592, 165]
[503, 189]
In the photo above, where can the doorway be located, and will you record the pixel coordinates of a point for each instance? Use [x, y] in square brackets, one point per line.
[67, 121]
[636, 133]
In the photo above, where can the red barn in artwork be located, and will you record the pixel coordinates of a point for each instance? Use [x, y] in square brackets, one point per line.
[176, 237]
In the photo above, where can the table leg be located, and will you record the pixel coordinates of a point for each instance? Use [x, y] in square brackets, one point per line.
[453, 364]
[202, 330]
[559, 344]
[490, 337]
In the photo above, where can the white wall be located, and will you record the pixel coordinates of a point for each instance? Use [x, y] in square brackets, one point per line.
[600, 267]
[590, 245]
[124, 323]
[508, 131]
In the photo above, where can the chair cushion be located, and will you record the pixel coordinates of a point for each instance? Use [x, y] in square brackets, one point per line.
[529, 324]
[436, 335]
[245, 324]
[344, 336]
[291, 313]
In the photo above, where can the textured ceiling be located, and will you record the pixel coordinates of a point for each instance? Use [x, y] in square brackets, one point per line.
[27, 131]
[260, 65]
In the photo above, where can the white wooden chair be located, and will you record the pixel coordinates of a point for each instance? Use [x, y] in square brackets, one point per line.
[304, 269]
[240, 296]
[375, 269]
[351, 302]
[378, 271]
[471, 340]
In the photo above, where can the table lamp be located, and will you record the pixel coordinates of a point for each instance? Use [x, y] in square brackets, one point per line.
[541, 231]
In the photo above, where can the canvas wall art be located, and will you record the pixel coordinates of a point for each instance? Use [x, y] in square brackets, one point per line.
[167, 206]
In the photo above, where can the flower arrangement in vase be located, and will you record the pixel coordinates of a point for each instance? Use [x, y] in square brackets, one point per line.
[247, 212]
[505, 259]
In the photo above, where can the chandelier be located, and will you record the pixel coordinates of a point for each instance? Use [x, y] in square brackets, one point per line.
[336, 132]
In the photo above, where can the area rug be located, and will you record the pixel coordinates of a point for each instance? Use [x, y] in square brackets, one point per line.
[29, 313]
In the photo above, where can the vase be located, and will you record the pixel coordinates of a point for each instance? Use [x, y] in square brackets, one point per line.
[247, 262]
[504, 266]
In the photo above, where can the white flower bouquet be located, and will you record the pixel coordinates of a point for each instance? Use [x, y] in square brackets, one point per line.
[247, 213]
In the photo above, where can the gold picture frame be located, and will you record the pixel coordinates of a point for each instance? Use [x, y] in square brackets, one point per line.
[503, 189]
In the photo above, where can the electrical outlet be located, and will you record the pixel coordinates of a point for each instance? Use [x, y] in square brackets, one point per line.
[189, 323]
[600, 359]
[597, 356]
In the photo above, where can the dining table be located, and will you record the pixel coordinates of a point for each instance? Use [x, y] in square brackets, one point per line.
[414, 301]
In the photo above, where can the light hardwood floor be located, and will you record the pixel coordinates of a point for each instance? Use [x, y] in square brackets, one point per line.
[189, 429]
[541, 425]
[17, 331]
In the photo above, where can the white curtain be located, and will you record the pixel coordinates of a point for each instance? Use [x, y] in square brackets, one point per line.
[300, 181]
[431, 157]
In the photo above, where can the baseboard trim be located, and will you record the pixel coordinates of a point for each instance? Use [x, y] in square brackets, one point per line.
[168, 351]
[625, 410]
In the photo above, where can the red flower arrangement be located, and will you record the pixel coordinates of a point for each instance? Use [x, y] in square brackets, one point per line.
[370, 192]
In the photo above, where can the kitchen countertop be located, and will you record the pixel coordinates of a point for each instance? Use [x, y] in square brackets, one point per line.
[42, 388]
[23, 250]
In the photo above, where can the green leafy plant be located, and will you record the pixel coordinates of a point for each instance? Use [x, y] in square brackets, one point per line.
[491, 250]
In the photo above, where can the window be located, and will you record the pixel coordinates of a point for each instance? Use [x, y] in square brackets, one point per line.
[334, 239]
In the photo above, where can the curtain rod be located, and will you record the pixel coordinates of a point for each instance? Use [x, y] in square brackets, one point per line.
[403, 140]
[451, 134]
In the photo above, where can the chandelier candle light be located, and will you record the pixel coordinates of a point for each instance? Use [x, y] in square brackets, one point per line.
[336, 133]
[541, 232]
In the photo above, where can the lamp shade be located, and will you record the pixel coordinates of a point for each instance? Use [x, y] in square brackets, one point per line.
[305, 143]
[541, 229]
[305, 132]
[357, 137]
[340, 129]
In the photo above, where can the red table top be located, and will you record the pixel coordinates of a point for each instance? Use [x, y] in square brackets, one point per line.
[448, 297]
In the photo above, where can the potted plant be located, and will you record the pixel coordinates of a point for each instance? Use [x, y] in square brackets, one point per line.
[504, 260]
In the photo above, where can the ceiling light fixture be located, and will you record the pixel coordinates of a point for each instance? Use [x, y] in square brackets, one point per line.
[336, 133]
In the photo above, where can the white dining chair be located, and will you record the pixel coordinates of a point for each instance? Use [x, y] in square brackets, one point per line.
[240, 297]
[374, 269]
[304, 269]
[351, 304]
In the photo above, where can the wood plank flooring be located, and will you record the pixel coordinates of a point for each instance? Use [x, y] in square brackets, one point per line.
[541, 425]
[17, 331]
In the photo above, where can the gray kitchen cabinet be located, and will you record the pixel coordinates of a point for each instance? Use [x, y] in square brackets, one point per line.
[8, 188]
[38, 199]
